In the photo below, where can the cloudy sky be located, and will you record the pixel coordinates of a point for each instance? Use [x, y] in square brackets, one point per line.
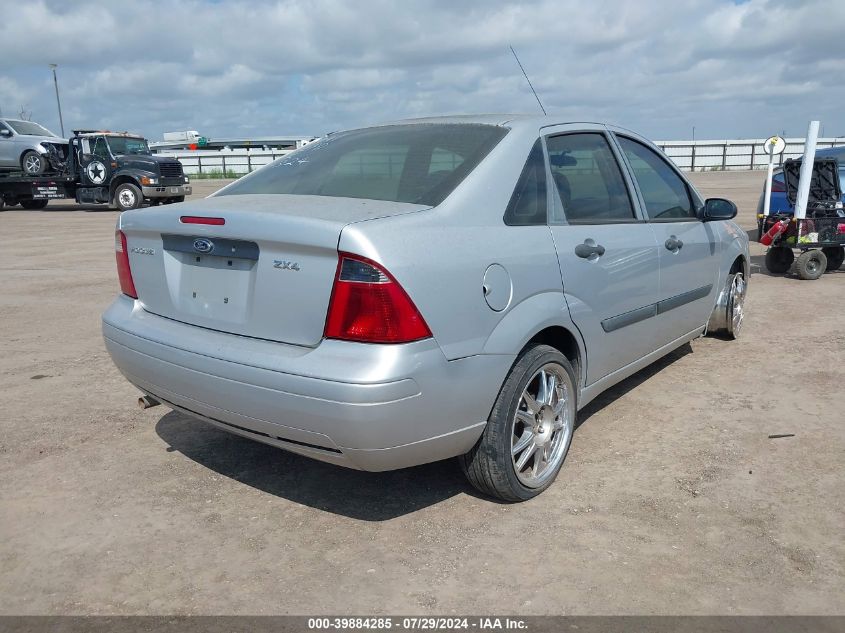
[732, 69]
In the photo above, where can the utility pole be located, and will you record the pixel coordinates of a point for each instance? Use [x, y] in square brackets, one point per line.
[58, 102]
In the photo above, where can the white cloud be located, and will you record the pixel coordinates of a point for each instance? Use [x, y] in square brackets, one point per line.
[230, 68]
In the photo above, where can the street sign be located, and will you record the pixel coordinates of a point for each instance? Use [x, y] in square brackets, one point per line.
[202, 141]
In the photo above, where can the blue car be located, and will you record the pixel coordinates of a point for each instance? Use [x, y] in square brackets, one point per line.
[778, 201]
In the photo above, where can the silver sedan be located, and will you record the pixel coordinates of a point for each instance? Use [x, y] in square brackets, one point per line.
[411, 292]
[27, 146]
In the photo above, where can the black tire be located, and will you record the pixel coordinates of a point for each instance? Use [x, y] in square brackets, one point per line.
[2, 203]
[33, 204]
[490, 466]
[127, 197]
[835, 256]
[811, 264]
[779, 259]
[33, 163]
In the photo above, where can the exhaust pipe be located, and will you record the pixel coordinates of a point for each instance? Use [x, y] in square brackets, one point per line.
[145, 402]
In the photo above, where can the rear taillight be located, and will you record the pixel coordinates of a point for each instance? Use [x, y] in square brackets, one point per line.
[778, 186]
[369, 306]
[124, 273]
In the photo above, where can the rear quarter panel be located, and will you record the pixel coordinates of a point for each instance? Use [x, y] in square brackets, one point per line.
[440, 256]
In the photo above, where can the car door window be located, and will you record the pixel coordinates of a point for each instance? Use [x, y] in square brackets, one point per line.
[588, 179]
[665, 194]
[528, 203]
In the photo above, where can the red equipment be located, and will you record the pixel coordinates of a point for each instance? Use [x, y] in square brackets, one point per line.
[772, 233]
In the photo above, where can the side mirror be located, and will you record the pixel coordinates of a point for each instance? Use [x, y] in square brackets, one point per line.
[6, 133]
[718, 209]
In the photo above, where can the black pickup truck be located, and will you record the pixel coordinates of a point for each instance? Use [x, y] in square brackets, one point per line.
[114, 168]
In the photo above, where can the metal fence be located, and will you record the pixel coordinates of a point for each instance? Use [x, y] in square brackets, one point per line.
[224, 164]
[734, 154]
[720, 155]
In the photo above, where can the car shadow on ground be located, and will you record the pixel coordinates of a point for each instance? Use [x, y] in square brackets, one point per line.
[351, 493]
[632, 382]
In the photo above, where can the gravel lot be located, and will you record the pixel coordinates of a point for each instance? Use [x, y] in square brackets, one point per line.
[673, 499]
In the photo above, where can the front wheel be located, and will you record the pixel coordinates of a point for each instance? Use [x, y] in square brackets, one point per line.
[33, 163]
[33, 204]
[737, 287]
[529, 431]
[127, 196]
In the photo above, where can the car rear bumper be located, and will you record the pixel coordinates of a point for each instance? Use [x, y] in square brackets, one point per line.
[371, 407]
[170, 191]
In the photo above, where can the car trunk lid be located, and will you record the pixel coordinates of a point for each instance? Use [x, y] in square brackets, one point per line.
[267, 272]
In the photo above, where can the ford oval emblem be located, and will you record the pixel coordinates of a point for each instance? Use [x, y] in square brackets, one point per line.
[203, 245]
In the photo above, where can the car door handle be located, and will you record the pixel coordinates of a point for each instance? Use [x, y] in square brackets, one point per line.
[674, 244]
[586, 250]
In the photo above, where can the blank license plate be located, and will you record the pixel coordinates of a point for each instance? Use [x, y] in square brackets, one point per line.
[215, 288]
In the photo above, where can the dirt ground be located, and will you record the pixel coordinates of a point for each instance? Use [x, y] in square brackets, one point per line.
[673, 499]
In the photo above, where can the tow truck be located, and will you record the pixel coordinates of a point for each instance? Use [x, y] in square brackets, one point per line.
[100, 167]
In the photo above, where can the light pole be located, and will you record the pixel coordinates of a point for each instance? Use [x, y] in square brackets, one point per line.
[58, 102]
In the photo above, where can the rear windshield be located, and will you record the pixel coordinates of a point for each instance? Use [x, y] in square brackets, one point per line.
[420, 163]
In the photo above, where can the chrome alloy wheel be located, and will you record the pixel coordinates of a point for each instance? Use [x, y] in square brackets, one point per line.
[542, 427]
[32, 164]
[126, 198]
[736, 304]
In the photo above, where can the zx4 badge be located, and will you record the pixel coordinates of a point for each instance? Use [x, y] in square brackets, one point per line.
[284, 265]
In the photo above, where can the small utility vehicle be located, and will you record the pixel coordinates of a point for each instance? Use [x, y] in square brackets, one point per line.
[819, 237]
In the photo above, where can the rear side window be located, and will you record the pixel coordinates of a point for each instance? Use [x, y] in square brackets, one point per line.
[666, 196]
[418, 163]
[588, 179]
[527, 205]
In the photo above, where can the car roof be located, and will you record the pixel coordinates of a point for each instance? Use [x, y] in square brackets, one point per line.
[501, 119]
[831, 152]
[826, 152]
